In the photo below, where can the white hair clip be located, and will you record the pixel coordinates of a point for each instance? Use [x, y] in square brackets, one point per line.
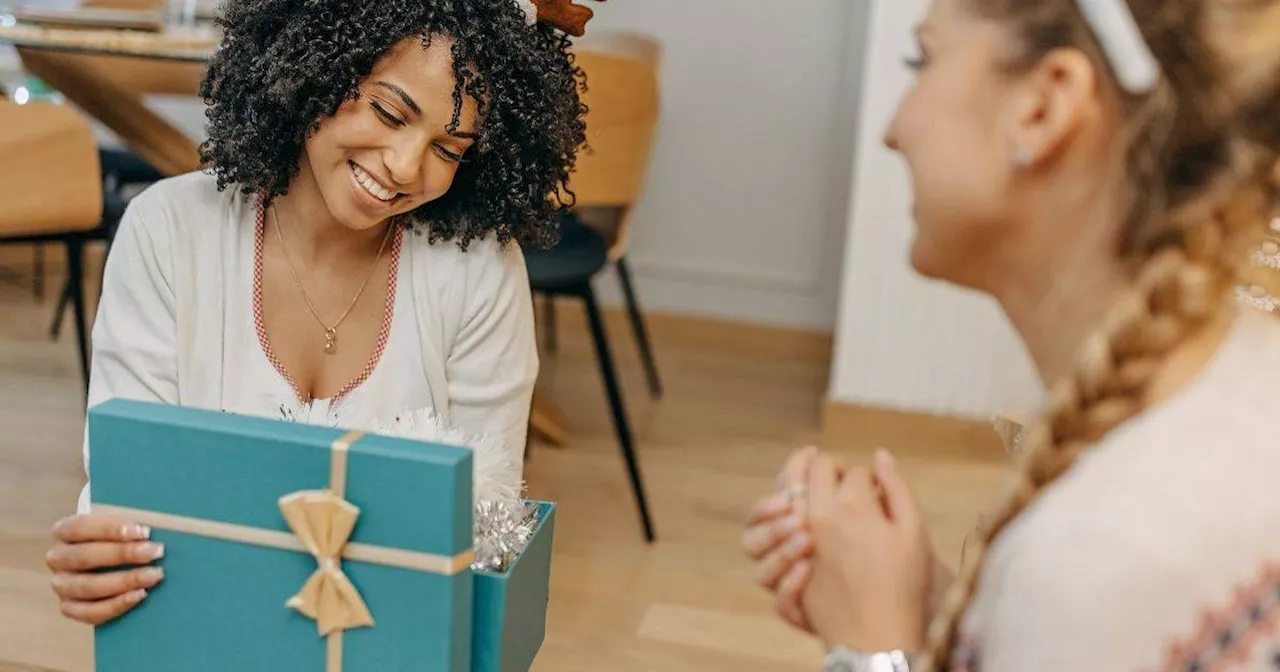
[530, 11]
[1116, 28]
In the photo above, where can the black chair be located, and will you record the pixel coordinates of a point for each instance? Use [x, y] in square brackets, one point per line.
[73, 292]
[73, 289]
[634, 315]
[623, 70]
[121, 169]
[566, 270]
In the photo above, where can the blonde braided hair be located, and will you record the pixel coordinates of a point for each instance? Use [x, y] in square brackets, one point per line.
[1200, 167]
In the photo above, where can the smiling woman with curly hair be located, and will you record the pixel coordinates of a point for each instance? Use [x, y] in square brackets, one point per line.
[286, 66]
[349, 252]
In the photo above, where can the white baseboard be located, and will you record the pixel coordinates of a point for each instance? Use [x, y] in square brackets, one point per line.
[763, 299]
[764, 281]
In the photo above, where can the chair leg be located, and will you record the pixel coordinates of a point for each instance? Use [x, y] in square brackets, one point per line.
[620, 423]
[549, 334]
[638, 328]
[64, 299]
[75, 281]
[37, 274]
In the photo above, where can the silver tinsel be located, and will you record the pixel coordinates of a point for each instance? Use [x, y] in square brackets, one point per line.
[502, 530]
[504, 523]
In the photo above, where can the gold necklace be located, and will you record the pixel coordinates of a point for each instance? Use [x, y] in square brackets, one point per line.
[330, 332]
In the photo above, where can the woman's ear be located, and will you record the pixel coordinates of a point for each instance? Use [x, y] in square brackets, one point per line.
[1051, 105]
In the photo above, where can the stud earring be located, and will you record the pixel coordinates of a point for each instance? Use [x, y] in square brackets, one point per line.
[1021, 157]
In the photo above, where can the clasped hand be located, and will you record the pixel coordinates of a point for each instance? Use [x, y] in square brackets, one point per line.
[845, 552]
[100, 566]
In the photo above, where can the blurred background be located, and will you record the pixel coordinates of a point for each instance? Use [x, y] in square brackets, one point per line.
[747, 240]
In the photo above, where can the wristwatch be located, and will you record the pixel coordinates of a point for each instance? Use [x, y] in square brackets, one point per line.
[843, 660]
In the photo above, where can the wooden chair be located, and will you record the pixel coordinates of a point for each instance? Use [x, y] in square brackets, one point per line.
[120, 169]
[37, 270]
[57, 199]
[622, 98]
[622, 71]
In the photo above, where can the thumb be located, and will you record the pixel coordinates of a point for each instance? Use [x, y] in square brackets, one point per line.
[900, 504]
[796, 470]
[824, 481]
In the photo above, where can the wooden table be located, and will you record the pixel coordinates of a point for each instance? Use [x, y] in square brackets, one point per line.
[106, 73]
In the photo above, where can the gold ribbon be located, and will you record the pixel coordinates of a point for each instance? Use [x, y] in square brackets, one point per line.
[322, 522]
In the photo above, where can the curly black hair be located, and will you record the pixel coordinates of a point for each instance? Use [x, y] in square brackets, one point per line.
[284, 66]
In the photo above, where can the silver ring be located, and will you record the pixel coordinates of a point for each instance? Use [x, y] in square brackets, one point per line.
[796, 492]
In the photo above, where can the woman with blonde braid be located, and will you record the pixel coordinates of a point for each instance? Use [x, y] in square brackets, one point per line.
[1102, 168]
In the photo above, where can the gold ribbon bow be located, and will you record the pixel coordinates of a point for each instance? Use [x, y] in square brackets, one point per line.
[323, 523]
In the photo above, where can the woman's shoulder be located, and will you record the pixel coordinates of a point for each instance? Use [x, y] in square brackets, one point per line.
[1166, 519]
[480, 262]
[185, 204]
[456, 287]
[1216, 437]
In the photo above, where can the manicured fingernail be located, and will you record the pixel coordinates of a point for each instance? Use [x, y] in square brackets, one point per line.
[885, 458]
[151, 575]
[798, 543]
[150, 551]
[793, 524]
[136, 596]
[136, 532]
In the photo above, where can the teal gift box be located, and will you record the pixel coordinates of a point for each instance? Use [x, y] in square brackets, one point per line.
[511, 607]
[291, 547]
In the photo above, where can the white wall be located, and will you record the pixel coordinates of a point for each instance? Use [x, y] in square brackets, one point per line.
[743, 214]
[903, 342]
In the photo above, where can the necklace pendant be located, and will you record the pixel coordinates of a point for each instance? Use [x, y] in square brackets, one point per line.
[330, 341]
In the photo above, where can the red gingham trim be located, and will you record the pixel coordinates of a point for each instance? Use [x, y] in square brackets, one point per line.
[384, 333]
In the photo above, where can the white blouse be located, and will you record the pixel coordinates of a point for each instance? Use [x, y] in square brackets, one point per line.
[178, 324]
[1160, 549]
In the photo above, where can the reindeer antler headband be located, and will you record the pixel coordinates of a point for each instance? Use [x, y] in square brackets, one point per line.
[566, 15]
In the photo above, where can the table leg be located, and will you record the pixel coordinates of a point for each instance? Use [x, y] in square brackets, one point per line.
[166, 148]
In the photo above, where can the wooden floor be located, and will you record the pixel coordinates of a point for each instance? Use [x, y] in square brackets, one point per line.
[738, 400]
